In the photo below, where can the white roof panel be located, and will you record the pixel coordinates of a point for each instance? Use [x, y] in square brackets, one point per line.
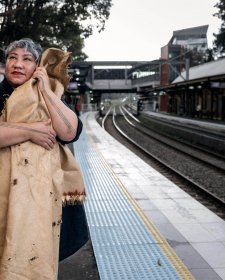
[208, 69]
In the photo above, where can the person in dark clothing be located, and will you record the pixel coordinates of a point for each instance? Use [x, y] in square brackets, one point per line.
[38, 173]
[14, 77]
[6, 90]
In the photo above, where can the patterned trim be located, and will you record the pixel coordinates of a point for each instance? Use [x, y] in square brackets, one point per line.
[73, 198]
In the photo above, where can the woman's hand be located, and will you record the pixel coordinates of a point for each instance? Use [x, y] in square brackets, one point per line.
[42, 134]
[41, 75]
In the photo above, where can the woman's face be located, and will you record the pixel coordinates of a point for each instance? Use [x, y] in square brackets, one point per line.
[20, 66]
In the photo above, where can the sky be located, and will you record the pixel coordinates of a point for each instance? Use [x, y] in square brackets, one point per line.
[137, 29]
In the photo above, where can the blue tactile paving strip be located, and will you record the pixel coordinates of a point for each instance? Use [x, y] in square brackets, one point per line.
[124, 247]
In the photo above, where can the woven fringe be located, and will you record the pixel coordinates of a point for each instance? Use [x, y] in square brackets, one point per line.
[73, 198]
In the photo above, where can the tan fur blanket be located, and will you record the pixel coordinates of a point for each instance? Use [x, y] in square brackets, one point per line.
[33, 184]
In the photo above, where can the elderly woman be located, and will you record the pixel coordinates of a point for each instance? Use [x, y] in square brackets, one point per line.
[37, 171]
[21, 64]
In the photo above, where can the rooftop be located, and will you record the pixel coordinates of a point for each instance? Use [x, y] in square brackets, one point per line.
[209, 69]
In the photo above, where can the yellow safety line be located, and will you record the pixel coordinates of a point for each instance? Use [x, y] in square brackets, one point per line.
[180, 267]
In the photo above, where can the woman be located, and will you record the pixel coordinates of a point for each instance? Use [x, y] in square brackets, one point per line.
[37, 172]
[21, 64]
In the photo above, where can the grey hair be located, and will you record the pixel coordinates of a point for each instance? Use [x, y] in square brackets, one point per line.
[27, 44]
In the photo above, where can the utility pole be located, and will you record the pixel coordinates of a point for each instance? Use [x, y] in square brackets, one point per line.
[187, 67]
[186, 102]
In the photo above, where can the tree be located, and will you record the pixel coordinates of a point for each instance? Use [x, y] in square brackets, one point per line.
[219, 42]
[199, 56]
[55, 23]
[209, 55]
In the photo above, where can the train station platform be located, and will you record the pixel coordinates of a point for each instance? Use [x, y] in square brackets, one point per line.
[142, 225]
[214, 125]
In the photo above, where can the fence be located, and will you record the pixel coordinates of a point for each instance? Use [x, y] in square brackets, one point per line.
[88, 107]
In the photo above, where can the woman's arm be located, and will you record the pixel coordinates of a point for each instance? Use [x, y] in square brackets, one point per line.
[64, 120]
[40, 133]
[79, 130]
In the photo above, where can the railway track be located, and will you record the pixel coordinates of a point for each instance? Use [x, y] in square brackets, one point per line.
[198, 172]
[207, 156]
[210, 142]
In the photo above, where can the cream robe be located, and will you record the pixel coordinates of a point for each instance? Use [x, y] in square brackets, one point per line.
[33, 184]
